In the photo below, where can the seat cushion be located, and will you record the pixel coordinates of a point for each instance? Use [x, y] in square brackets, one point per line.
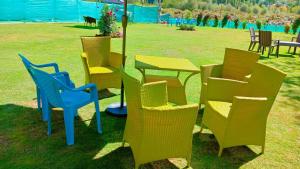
[223, 108]
[286, 43]
[77, 99]
[102, 70]
[238, 63]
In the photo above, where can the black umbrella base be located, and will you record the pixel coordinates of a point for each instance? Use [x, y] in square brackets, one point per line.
[115, 109]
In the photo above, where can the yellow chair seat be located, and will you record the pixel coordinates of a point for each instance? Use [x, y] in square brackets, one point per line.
[223, 108]
[103, 70]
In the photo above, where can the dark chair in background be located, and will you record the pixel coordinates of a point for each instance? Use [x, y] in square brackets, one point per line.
[265, 40]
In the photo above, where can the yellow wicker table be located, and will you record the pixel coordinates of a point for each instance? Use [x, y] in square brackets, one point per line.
[176, 89]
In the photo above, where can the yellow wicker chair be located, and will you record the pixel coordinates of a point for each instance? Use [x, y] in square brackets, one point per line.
[237, 65]
[154, 129]
[100, 64]
[236, 111]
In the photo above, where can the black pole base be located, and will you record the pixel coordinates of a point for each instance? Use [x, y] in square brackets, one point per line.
[115, 109]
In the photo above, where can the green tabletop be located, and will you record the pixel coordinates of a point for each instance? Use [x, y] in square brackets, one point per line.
[165, 63]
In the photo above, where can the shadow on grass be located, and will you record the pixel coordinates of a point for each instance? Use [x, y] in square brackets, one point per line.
[82, 27]
[27, 145]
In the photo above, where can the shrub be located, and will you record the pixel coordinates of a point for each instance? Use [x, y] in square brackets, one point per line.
[244, 8]
[205, 20]
[258, 24]
[244, 24]
[236, 23]
[188, 14]
[216, 21]
[295, 25]
[225, 20]
[263, 11]
[199, 19]
[107, 22]
[287, 28]
[255, 10]
[187, 27]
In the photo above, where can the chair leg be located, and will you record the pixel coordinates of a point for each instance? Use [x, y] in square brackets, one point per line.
[123, 143]
[289, 51]
[220, 151]
[38, 98]
[99, 128]
[259, 47]
[69, 125]
[253, 46]
[189, 160]
[269, 51]
[45, 107]
[295, 48]
[137, 165]
[263, 148]
[250, 46]
[263, 50]
[49, 122]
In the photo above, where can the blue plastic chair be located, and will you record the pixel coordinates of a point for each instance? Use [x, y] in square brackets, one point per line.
[42, 102]
[69, 99]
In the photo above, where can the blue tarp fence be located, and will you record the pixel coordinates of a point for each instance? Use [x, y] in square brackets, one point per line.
[230, 24]
[68, 11]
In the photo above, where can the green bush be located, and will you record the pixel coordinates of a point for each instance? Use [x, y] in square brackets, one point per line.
[216, 21]
[295, 25]
[236, 23]
[185, 27]
[287, 28]
[225, 20]
[258, 24]
[199, 18]
[205, 19]
[244, 8]
[244, 24]
[255, 10]
[263, 11]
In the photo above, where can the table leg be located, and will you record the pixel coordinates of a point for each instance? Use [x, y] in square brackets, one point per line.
[277, 51]
[178, 74]
[185, 81]
[143, 73]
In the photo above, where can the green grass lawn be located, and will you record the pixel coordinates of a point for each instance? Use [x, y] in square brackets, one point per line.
[23, 139]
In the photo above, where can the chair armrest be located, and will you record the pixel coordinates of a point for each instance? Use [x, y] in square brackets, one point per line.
[169, 122]
[224, 89]
[115, 60]
[91, 87]
[207, 71]
[247, 118]
[293, 39]
[54, 65]
[64, 77]
[85, 63]
[154, 94]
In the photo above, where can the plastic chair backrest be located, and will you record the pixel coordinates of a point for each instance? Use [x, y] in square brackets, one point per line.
[27, 65]
[49, 85]
[265, 81]
[97, 50]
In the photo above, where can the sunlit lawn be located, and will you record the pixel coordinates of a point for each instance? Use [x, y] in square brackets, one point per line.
[25, 144]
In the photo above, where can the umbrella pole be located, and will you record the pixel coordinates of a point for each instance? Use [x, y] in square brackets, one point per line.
[119, 109]
[124, 25]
